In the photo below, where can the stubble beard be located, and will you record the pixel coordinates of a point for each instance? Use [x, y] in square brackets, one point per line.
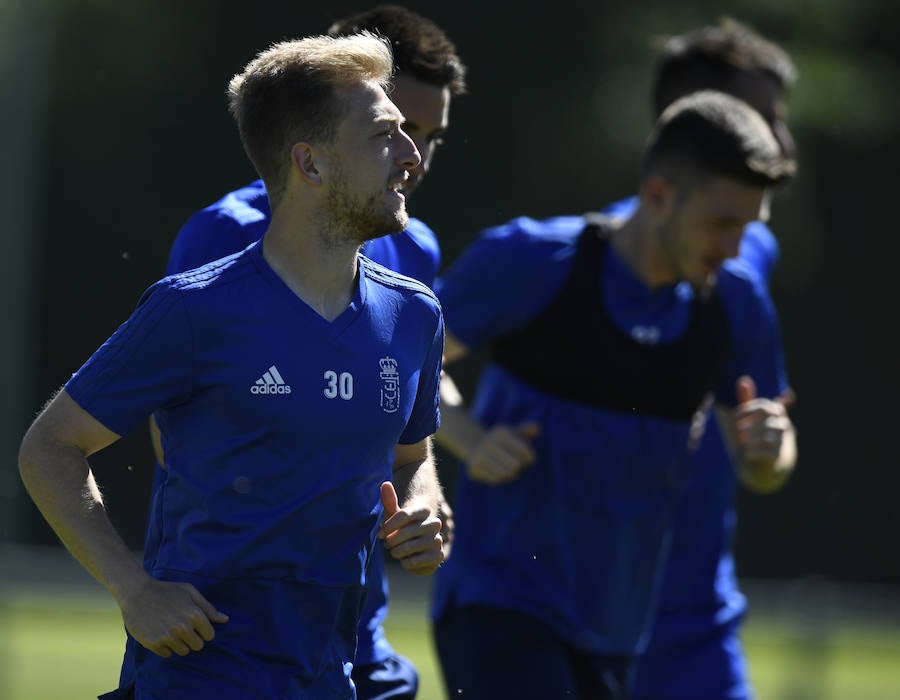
[665, 240]
[667, 243]
[353, 220]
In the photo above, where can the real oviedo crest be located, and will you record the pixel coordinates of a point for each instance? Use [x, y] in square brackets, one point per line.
[390, 385]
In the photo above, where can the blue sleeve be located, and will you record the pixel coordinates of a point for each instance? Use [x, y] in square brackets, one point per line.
[505, 277]
[756, 338]
[759, 249]
[211, 234]
[145, 365]
[425, 418]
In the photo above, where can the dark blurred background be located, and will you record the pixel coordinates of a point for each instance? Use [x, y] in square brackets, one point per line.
[113, 129]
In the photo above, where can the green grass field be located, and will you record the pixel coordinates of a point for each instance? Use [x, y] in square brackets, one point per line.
[57, 645]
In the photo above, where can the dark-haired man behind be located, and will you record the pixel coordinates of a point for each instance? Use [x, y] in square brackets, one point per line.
[694, 649]
[429, 73]
[607, 338]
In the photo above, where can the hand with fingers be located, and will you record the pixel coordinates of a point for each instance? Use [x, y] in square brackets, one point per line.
[503, 453]
[411, 534]
[761, 427]
[167, 617]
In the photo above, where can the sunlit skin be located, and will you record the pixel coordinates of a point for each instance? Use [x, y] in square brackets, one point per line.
[426, 109]
[340, 192]
[696, 230]
[366, 165]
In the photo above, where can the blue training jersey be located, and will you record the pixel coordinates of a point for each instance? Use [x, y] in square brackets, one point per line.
[278, 428]
[579, 537]
[700, 602]
[240, 218]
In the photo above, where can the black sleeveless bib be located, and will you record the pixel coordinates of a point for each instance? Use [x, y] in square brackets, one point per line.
[573, 350]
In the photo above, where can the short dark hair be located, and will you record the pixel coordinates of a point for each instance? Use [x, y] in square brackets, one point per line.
[713, 58]
[712, 134]
[420, 47]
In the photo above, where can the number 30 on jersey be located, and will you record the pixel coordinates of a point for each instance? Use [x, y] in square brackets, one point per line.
[338, 385]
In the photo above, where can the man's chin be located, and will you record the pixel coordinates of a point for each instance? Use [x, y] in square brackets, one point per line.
[401, 220]
[386, 227]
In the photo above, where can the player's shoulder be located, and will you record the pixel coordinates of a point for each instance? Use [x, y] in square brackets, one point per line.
[222, 228]
[516, 253]
[525, 240]
[245, 208]
[759, 249]
[414, 251]
[396, 282]
[760, 232]
[740, 272]
[186, 290]
[741, 287]
[245, 205]
[422, 235]
[212, 274]
[555, 229]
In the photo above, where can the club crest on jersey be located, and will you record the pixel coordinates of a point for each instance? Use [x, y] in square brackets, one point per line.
[270, 383]
[390, 385]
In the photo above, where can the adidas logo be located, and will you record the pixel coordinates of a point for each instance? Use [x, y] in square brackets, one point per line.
[270, 383]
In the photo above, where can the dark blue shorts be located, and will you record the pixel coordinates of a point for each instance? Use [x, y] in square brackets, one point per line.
[490, 653]
[260, 652]
[395, 678]
[689, 664]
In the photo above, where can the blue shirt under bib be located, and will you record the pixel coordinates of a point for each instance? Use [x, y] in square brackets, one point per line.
[579, 538]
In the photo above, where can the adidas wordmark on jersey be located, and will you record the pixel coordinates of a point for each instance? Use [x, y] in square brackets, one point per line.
[270, 383]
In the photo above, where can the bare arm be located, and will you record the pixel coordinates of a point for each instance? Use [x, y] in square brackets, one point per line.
[494, 455]
[761, 439]
[54, 468]
[411, 527]
[164, 617]
[415, 476]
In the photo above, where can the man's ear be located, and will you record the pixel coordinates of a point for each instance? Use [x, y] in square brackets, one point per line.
[658, 195]
[304, 159]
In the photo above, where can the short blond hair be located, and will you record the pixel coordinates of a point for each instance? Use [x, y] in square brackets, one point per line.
[288, 94]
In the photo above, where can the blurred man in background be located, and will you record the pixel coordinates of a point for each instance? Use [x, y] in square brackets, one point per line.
[280, 474]
[694, 651]
[608, 336]
[429, 73]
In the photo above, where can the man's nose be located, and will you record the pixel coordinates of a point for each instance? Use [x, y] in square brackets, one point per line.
[425, 150]
[408, 154]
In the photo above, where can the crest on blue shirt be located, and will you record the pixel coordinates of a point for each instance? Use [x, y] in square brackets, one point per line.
[390, 385]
